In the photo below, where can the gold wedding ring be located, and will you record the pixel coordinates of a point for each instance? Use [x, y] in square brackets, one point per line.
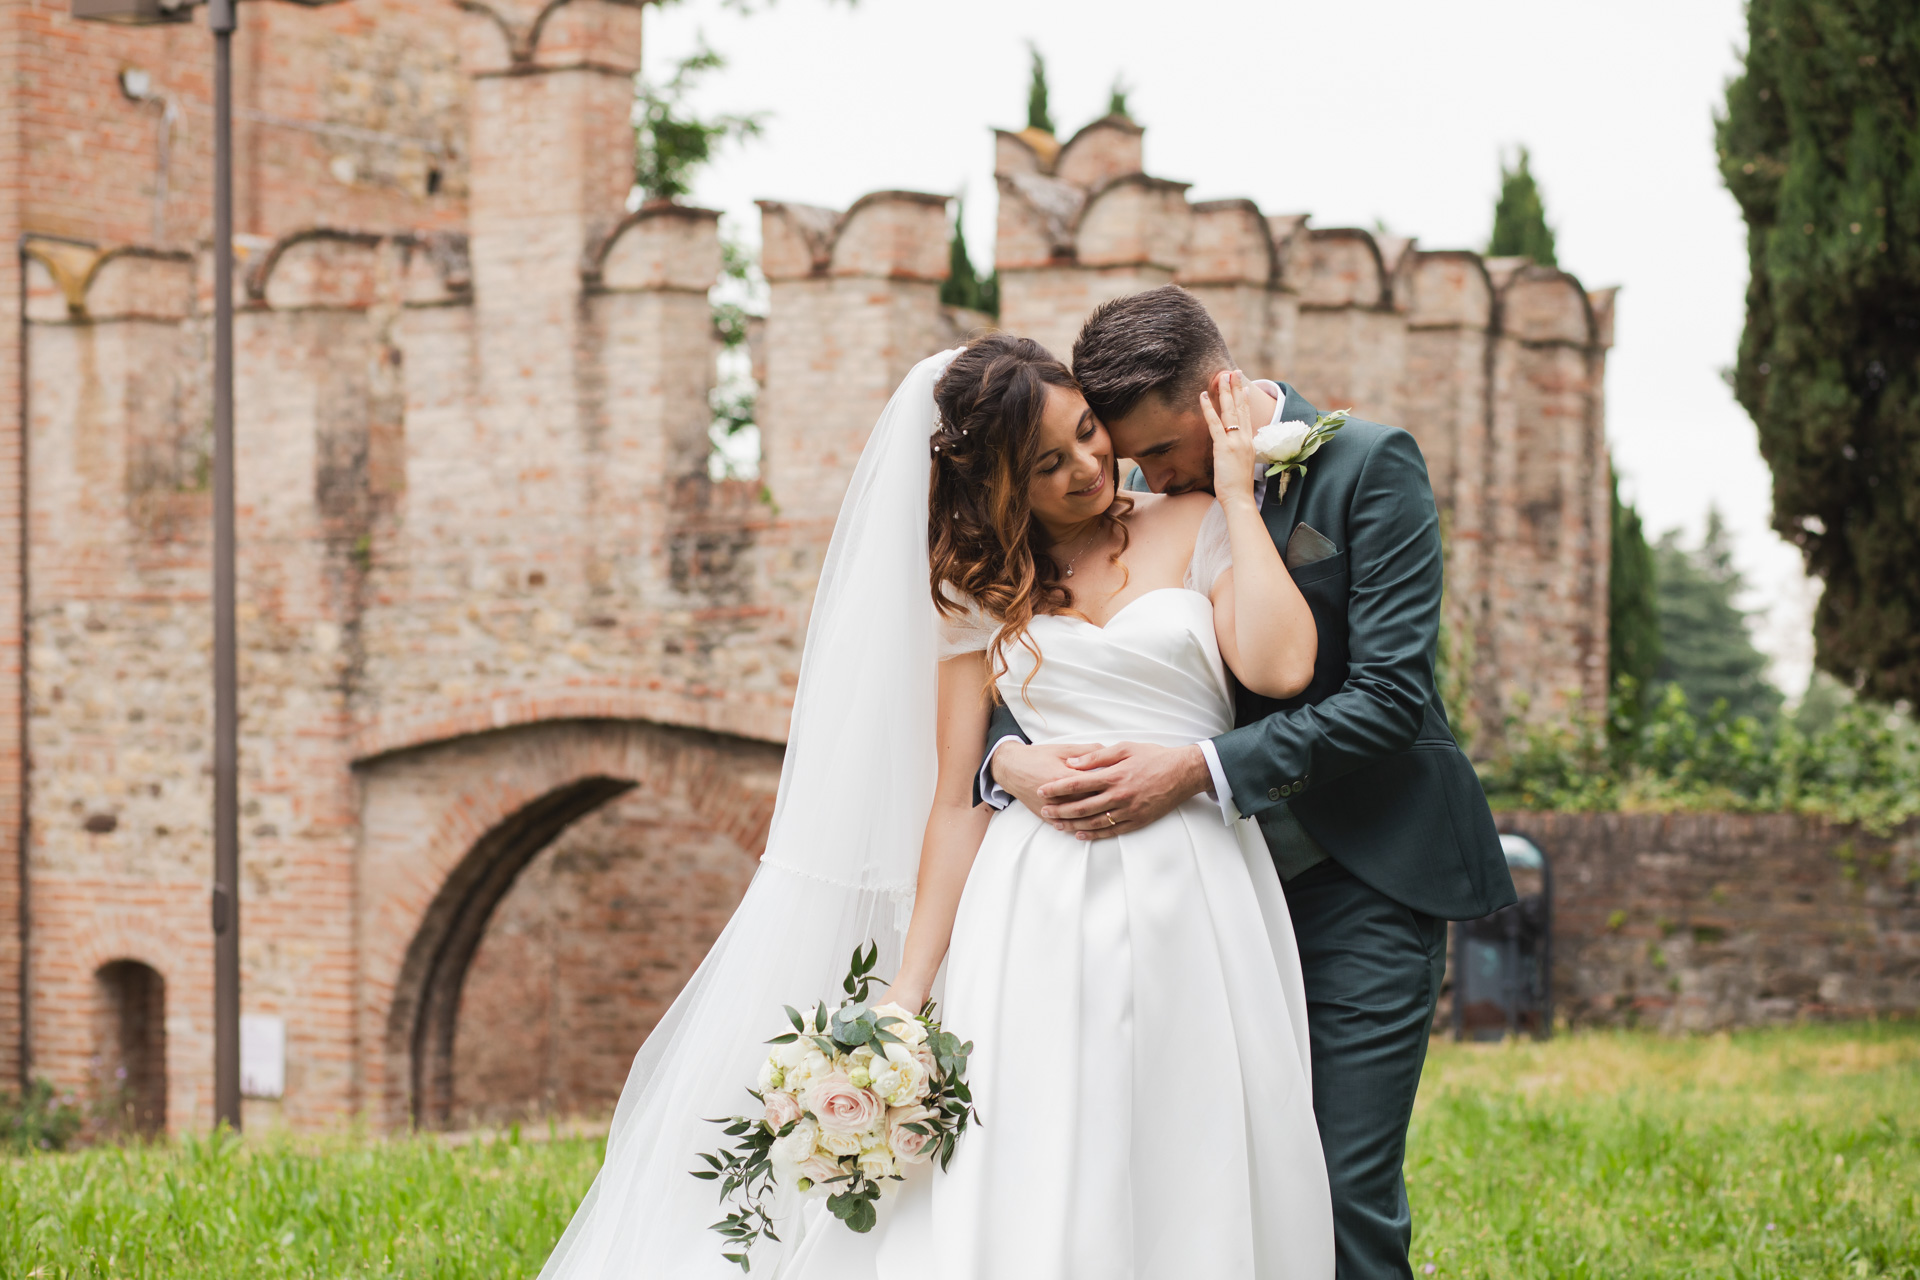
[1110, 819]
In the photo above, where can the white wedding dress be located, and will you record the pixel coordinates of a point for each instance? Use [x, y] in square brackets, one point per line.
[1136, 1004]
[1137, 1010]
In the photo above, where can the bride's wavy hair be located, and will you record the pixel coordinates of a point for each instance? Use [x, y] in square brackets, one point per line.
[985, 547]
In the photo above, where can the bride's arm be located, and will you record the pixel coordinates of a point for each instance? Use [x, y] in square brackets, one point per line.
[1265, 629]
[955, 828]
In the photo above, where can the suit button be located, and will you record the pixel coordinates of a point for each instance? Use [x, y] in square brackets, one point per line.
[1286, 789]
[1273, 793]
[1300, 786]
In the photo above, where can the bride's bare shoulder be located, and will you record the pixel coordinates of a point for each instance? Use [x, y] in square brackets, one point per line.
[1178, 510]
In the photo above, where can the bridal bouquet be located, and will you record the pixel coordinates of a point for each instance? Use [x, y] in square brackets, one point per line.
[850, 1099]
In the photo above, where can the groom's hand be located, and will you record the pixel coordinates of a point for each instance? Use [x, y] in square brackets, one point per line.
[1119, 789]
[1023, 769]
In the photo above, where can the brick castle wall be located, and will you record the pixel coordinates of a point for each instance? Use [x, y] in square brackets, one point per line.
[488, 591]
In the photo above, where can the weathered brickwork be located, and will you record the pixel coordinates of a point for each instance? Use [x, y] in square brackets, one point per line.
[1496, 366]
[1695, 922]
[490, 603]
[586, 952]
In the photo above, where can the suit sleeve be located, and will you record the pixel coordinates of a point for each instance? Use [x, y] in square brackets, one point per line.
[1393, 619]
[1002, 725]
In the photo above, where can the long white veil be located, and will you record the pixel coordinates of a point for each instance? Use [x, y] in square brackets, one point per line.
[839, 870]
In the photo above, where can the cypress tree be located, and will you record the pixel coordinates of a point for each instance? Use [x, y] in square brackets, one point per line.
[1820, 145]
[1037, 115]
[1633, 608]
[1705, 645]
[1520, 227]
[962, 285]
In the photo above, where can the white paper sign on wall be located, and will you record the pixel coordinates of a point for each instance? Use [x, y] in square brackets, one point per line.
[263, 1055]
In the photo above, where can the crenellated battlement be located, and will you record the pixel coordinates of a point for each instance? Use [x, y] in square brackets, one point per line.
[485, 575]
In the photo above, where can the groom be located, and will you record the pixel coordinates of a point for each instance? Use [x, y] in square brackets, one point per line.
[1375, 818]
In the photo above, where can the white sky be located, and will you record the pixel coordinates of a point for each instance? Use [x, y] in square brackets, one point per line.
[1396, 110]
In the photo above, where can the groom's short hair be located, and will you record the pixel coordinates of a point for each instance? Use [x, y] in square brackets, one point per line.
[1161, 342]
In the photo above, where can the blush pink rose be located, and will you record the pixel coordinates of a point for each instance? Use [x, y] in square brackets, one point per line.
[923, 1055]
[818, 1170]
[908, 1146]
[841, 1106]
[782, 1110]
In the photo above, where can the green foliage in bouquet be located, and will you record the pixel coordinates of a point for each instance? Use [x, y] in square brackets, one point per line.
[747, 1170]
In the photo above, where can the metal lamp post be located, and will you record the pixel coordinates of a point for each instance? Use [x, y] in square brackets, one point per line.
[222, 18]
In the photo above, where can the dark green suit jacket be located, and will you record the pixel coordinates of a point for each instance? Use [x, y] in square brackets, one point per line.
[1364, 756]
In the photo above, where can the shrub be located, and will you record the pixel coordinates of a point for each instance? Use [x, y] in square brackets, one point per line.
[1862, 767]
[38, 1120]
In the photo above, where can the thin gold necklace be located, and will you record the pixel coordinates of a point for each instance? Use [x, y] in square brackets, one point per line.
[1081, 552]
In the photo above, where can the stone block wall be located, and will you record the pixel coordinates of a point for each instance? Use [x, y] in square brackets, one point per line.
[1697, 922]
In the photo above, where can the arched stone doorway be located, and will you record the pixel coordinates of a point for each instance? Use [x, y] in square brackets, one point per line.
[130, 1047]
[450, 828]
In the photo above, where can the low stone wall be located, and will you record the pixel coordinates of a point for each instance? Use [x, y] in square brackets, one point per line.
[1697, 921]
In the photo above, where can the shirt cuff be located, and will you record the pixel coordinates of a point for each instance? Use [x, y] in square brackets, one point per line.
[1222, 792]
[992, 794]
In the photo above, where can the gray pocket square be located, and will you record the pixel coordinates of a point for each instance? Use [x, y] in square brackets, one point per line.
[1308, 545]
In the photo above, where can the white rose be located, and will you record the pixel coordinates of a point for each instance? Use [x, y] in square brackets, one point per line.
[1280, 441]
[811, 1067]
[909, 1028]
[859, 1067]
[771, 1076]
[876, 1164]
[912, 1086]
[789, 1055]
[840, 1144]
[797, 1147]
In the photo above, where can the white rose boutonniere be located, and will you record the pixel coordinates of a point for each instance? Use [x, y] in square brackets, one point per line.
[1286, 446]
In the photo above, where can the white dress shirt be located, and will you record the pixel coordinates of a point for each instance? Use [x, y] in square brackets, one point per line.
[994, 794]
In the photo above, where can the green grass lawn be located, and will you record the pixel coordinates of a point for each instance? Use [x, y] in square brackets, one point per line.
[1767, 1154]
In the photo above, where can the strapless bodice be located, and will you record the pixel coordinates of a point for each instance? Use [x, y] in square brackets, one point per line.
[1152, 674]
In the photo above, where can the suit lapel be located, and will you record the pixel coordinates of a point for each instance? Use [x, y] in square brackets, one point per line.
[1295, 407]
[1279, 516]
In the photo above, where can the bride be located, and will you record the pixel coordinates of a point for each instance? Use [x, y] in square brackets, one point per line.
[1141, 1063]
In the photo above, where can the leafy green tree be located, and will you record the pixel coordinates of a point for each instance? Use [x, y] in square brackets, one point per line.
[1520, 227]
[1706, 647]
[670, 143]
[1038, 116]
[963, 286]
[1117, 99]
[1820, 144]
[1633, 605]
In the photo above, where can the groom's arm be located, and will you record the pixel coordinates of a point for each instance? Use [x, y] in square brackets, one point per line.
[1014, 769]
[1393, 617]
[1001, 729]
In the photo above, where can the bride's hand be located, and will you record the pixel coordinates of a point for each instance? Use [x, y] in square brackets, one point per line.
[1232, 430]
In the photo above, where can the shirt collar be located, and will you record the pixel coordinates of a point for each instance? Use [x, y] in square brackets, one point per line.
[1273, 389]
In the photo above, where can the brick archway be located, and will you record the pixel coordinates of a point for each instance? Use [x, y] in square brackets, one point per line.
[446, 830]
